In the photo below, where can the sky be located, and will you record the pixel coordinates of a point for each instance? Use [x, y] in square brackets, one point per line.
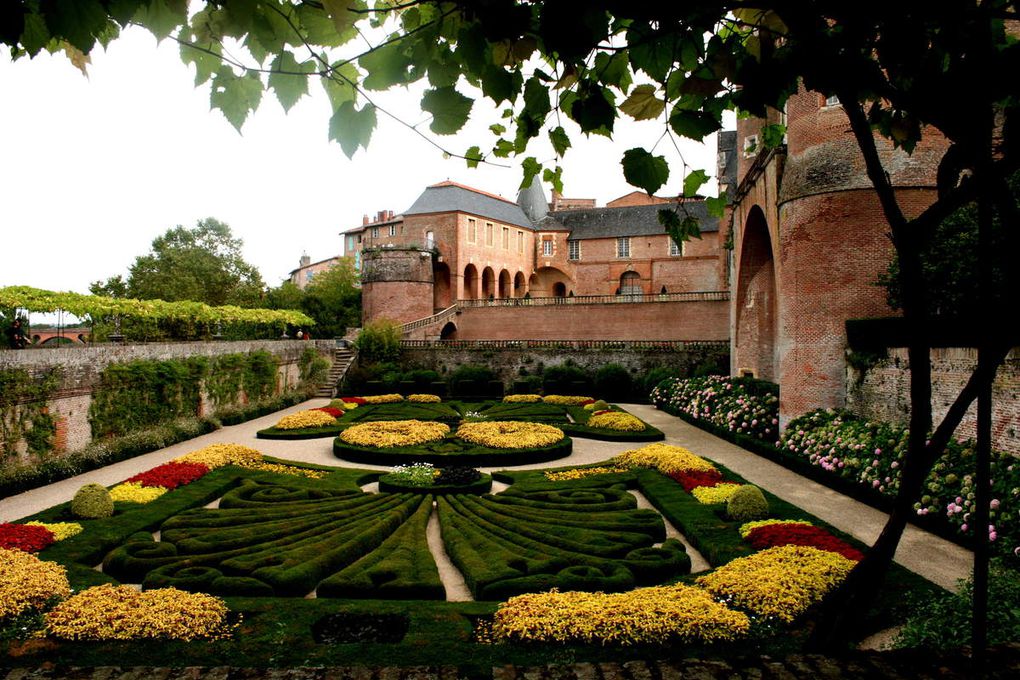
[93, 168]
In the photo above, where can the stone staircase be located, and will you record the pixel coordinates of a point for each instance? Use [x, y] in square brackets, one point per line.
[343, 357]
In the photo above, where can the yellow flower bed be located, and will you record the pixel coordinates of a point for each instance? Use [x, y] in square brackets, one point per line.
[279, 468]
[720, 493]
[383, 399]
[109, 612]
[646, 615]
[387, 433]
[779, 582]
[581, 473]
[218, 455]
[522, 398]
[134, 492]
[747, 528]
[424, 398]
[510, 434]
[664, 458]
[60, 530]
[565, 400]
[26, 582]
[303, 419]
[615, 420]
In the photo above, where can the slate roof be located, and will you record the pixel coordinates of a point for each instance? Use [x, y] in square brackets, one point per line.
[637, 220]
[451, 197]
[728, 143]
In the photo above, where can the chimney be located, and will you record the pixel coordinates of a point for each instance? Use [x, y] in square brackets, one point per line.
[305, 260]
[364, 220]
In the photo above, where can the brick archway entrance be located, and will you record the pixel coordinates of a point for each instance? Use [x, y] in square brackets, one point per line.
[756, 303]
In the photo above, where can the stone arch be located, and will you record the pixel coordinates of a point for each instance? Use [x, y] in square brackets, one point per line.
[489, 284]
[505, 288]
[630, 283]
[470, 282]
[520, 285]
[559, 289]
[756, 303]
[544, 280]
[449, 331]
[442, 295]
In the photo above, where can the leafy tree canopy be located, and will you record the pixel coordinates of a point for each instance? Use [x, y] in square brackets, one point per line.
[332, 298]
[202, 264]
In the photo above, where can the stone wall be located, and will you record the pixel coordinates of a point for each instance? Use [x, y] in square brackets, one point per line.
[882, 392]
[81, 368]
[508, 362]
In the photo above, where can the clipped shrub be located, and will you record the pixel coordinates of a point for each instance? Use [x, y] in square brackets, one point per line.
[562, 376]
[92, 501]
[747, 503]
[467, 378]
[613, 382]
[380, 341]
[599, 405]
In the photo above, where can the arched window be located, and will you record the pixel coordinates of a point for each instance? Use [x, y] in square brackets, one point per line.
[630, 284]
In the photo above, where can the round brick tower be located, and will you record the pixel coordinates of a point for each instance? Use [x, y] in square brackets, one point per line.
[396, 284]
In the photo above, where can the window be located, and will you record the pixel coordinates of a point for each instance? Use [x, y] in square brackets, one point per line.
[472, 231]
[832, 101]
[623, 246]
[393, 230]
[520, 242]
[574, 250]
[488, 233]
[547, 247]
[375, 232]
[674, 249]
[308, 275]
[506, 238]
[430, 239]
[630, 284]
[359, 239]
[350, 243]
[750, 146]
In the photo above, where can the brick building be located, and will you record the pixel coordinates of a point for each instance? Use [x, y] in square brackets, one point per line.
[306, 271]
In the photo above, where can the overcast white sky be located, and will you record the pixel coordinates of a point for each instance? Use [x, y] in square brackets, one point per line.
[91, 170]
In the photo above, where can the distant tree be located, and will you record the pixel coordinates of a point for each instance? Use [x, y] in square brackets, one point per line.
[202, 264]
[332, 299]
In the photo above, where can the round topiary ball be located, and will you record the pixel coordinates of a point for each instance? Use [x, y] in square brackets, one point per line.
[746, 504]
[92, 502]
[599, 405]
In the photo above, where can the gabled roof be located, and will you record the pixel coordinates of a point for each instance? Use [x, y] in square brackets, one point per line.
[453, 197]
[638, 220]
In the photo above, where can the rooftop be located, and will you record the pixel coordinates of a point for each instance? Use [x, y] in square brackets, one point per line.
[452, 197]
[637, 220]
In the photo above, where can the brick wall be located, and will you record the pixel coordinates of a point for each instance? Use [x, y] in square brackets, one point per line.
[508, 363]
[81, 367]
[598, 270]
[882, 392]
[396, 284]
[691, 321]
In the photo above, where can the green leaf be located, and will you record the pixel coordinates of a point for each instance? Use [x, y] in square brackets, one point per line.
[320, 29]
[497, 129]
[473, 156]
[650, 53]
[386, 67]
[693, 182]
[338, 87]
[643, 170]
[162, 17]
[716, 206]
[536, 98]
[593, 109]
[36, 35]
[449, 108]
[444, 72]
[772, 135]
[503, 148]
[235, 96]
[694, 125]
[643, 103]
[76, 21]
[339, 12]
[289, 88]
[554, 177]
[679, 228]
[500, 85]
[471, 48]
[351, 127]
[560, 140]
[613, 70]
[530, 167]
[205, 64]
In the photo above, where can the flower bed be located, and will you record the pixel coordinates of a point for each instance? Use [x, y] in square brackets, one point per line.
[739, 405]
[777, 534]
[218, 455]
[382, 399]
[567, 400]
[390, 433]
[616, 420]
[425, 478]
[522, 398]
[170, 475]
[451, 450]
[133, 492]
[510, 434]
[661, 615]
[582, 473]
[30, 538]
[778, 583]
[305, 419]
[332, 411]
[719, 493]
[109, 612]
[27, 583]
[665, 458]
[424, 398]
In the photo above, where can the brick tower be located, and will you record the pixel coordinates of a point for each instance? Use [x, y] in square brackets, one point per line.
[396, 284]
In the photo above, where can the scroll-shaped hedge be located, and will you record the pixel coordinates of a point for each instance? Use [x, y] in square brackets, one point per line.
[574, 539]
[402, 568]
[264, 539]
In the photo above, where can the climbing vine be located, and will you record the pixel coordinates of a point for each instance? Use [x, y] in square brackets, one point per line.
[313, 368]
[24, 415]
[253, 373]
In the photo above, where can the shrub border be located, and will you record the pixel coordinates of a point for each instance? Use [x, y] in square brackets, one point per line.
[299, 433]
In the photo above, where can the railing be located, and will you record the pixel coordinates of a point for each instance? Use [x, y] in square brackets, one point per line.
[429, 320]
[700, 296]
[660, 345]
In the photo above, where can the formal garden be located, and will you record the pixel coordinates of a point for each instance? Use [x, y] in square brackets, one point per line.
[228, 556]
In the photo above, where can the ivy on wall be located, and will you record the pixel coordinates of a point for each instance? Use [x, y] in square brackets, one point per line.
[23, 412]
[312, 367]
[141, 394]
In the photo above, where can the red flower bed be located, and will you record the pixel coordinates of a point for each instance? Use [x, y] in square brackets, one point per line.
[27, 537]
[586, 402]
[692, 479]
[335, 412]
[353, 400]
[772, 535]
[171, 475]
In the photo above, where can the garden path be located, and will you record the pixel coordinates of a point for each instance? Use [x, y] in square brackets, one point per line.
[939, 560]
